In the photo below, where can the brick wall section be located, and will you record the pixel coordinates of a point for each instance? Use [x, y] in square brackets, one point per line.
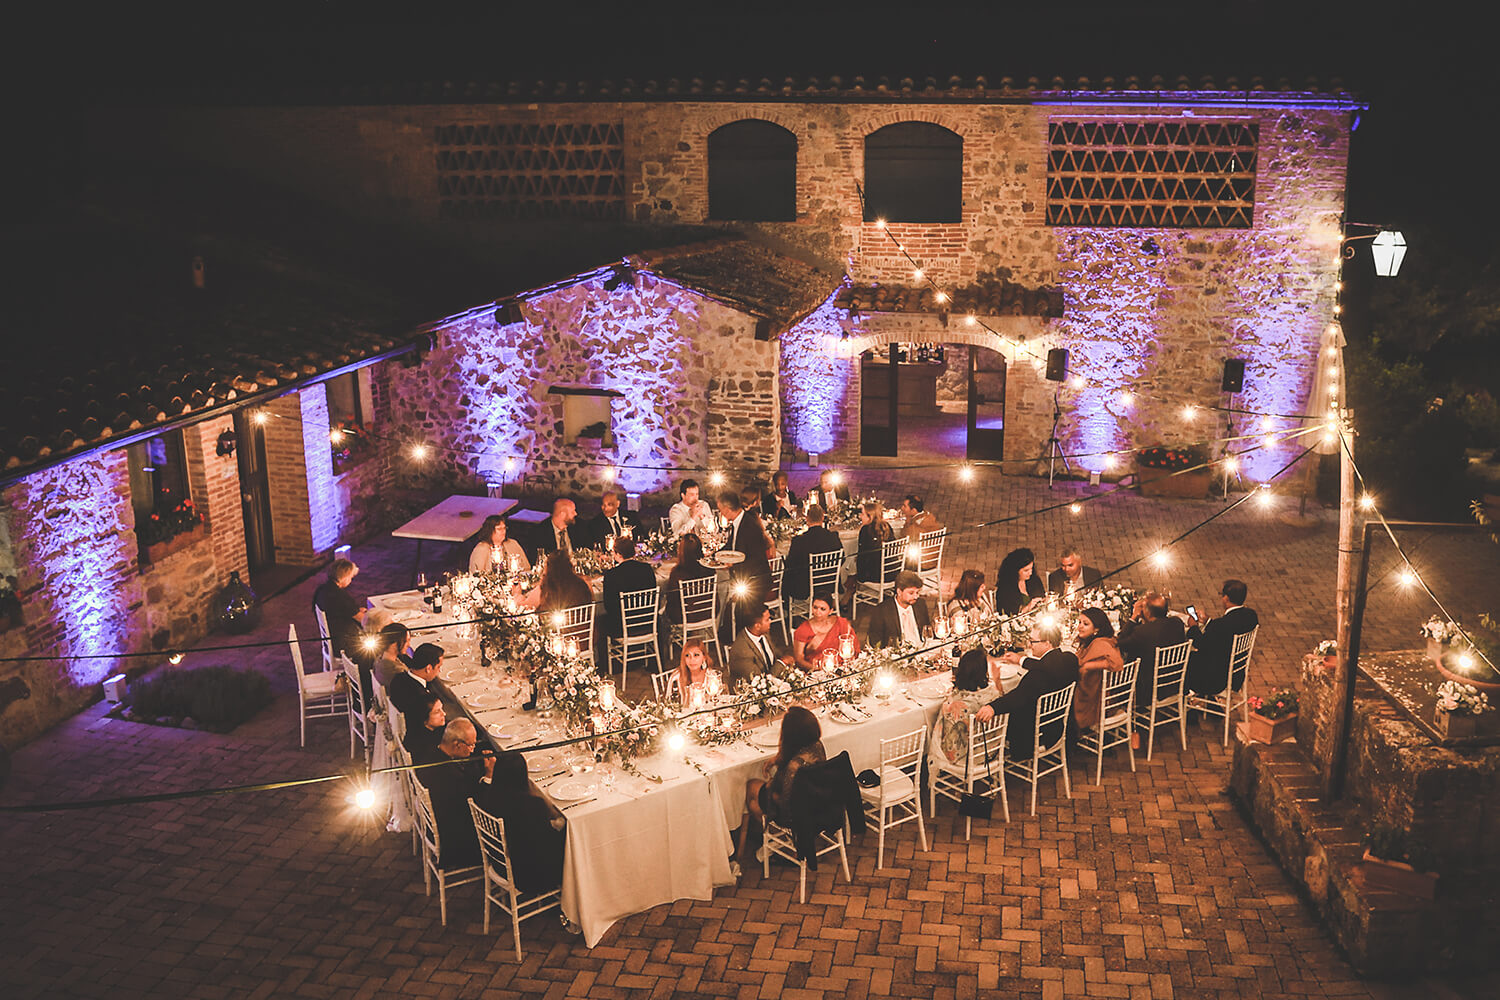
[215, 483]
[286, 468]
[360, 492]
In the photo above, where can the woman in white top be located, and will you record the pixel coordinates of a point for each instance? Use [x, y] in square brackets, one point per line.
[493, 550]
[689, 513]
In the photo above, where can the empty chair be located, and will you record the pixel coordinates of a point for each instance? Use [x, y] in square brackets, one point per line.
[576, 623]
[699, 601]
[898, 797]
[427, 835]
[667, 685]
[499, 885]
[773, 598]
[638, 622]
[1167, 702]
[892, 559]
[1236, 695]
[1052, 713]
[984, 773]
[822, 577]
[930, 546]
[1117, 701]
[361, 722]
[318, 695]
[325, 636]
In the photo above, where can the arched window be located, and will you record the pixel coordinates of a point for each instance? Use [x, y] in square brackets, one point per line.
[752, 172]
[914, 173]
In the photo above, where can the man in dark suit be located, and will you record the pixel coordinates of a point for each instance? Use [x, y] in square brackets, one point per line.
[901, 616]
[630, 574]
[1072, 573]
[831, 491]
[612, 520]
[561, 531]
[750, 581]
[410, 688]
[1208, 667]
[1149, 629]
[753, 652]
[456, 777]
[816, 539]
[781, 501]
[1048, 669]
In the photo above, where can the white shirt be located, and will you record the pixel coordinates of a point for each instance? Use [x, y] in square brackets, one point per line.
[908, 618]
[684, 519]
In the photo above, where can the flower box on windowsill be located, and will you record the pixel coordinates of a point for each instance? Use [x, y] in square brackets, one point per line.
[1164, 483]
[1264, 730]
[1397, 876]
[157, 551]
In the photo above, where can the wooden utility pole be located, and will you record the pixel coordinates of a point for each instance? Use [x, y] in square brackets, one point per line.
[1343, 601]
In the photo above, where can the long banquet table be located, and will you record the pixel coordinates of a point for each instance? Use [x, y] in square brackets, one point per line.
[641, 843]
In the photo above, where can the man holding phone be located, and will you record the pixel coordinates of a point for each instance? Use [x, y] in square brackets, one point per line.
[1208, 667]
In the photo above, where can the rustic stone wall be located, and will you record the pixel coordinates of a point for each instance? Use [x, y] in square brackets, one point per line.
[953, 384]
[696, 389]
[361, 493]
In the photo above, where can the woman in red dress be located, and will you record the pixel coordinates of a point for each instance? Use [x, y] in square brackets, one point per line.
[820, 633]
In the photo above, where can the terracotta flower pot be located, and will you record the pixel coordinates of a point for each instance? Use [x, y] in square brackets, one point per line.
[1264, 730]
[1397, 876]
[1490, 688]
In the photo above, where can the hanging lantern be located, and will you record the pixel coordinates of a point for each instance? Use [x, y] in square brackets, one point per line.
[1388, 249]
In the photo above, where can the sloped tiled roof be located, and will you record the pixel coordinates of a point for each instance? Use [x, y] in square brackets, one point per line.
[1004, 89]
[988, 297]
[754, 278]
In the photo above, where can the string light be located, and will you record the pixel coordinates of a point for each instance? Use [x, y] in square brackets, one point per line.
[260, 418]
[368, 643]
[1231, 464]
[419, 452]
[716, 479]
[836, 478]
[607, 474]
[970, 320]
[676, 741]
[1189, 412]
[879, 223]
[1126, 398]
[1109, 462]
[1367, 502]
[940, 298]
[1406, 578]
[1076, 382]
[557, 619]
[740, 589]
[917, 274]
[365, 798]
[1268, 442]
[1465, 661]
[510, 463]
[336, 435]
[1162, 558]
[1075, 507]
[1265, 497]
[1337, 309]
[966, 473]
[175, 659]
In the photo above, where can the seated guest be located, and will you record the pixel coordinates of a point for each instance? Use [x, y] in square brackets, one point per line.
[781, 501]
[750, 580]
[874, 532]
[391, 658]
[822, 633]
[693, 666]
[795, 574]
[801, 744]
[903, 615]
[752, 652]
[1208, 667]
[919, 520]
[559, 588]
[344, 611]
[451, 786]
[972, 690]
[970, 595]
[689, 567]
[612, 520]
[627, 575]
[1098, 654]
[1047, 669]
[421, 740]
[1071, 574]
[493, 550]
[689, 513]
[1017, 587]
[534, 828]
[831, 492]
[408, 691]
[561, 532]
[1149, 629]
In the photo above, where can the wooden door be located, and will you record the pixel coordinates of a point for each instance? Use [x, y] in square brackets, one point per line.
[255, 491]
[878, 400]
[986, 405]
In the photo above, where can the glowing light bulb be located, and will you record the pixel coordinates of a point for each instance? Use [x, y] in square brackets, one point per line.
[419, 451]
[1265, 496]
[970, 320]
[1329, 437]
[175, 658]
[1076, 381]
[837, 478]
[608, 474]
[1231, 464]
[368, 643]
[1189, 412]
[1109, 462]
[716, 479]
[1047, 621]
[879, 223]
[740, 589]
[1337, 309]
[1465, 661]
[676, 742]
[1265, 423]
[261, 416]
[940, 297]
[966, 473]
[1367, 502]
[1333, 371]
[1126, 398]
[1406, 578]
[1268, 442]
[510, 463]
[1075, 507]
[557, 619]
[917, 274]
[1161, 557]
[1333, 351]
[914, 552]
[336, 436]
[365, 798]
[1338, 286]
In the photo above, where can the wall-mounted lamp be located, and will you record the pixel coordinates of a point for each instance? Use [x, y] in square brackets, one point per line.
[224, 446]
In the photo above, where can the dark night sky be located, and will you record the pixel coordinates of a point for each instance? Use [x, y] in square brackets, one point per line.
[1417, 153]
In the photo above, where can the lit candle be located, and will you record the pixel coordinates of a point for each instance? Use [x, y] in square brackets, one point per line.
[556, 645]
[462, 587]
[714, 682]
[607, 694]
[598, 723]
[960, 623]
[515, 563]
[609, 543]
[940, 628]
[572, 648]
[830, 660]
[884, 682]
[846, 646]
[696, 700]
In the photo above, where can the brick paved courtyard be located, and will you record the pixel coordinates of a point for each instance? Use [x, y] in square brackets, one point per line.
[1150, 885]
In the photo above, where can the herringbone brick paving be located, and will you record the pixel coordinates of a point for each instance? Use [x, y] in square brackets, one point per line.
[1149, 885]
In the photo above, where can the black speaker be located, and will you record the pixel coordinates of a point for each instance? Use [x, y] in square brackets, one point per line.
[1057, 364]
[1234, 375]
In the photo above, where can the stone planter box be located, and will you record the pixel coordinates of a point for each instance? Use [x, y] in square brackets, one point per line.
[1263, 730]
[157, 551]
[1162, 483]
[1397, 876]
[1455, 725]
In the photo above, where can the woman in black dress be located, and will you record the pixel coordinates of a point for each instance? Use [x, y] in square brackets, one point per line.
[1017, 587]
[801, 744]
[534, 828]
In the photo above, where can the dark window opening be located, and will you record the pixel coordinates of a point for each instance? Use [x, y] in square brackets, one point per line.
[159, 491]
[914, 172]
[752, 172]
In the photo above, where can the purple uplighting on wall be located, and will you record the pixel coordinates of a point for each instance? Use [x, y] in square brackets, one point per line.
[815, 380]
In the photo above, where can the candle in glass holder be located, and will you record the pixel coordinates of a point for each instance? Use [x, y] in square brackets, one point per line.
[598, 723]
[515, 563]
[940, 628]
[555, 644]
[960, 622]
[830, 660]
[462, 587]
[607, 694]
[609, 543]
[627, 530]
[884, 682]
[846, 646]
[697, 699]
[713, 682]
[571, 648]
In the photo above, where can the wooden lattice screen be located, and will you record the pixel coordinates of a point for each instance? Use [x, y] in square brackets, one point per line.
[531, 171]
[1170, 174]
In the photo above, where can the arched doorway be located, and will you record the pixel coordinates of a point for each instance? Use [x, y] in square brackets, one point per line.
[932, 398]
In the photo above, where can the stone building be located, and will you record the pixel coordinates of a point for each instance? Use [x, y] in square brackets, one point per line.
[545, 286]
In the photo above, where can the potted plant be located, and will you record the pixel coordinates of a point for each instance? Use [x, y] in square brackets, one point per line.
[1458, 709]
[1438, 632]
[351, 445]
[1160, 471]
[171, 527]
[1273, 719]
[1395, 862]
[1329, 651]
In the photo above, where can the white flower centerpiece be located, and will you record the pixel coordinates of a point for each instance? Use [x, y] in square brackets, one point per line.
[1458, 709]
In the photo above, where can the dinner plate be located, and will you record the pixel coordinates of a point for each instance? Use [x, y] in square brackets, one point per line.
[502, 731]
[536, 763]
[411, 602]
[766, 737]
[729, 557]
[571, 790]
[483, 700]
[932, 687]
[408, 616]
[839, 715]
